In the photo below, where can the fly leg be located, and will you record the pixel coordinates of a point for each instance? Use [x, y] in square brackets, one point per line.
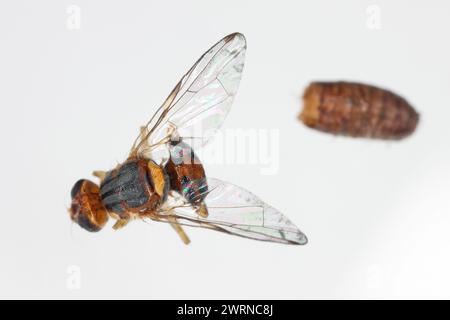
[176, 226]
[202, 210]
[120, 224]
[173, 222]
[120, 221]
[99, 174]
[178, 229]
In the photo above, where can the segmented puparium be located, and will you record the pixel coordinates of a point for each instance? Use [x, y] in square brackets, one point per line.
[357, 110]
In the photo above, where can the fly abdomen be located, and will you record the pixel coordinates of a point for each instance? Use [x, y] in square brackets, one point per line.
[187, 175]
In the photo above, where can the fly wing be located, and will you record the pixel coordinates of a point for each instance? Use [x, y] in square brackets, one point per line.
[234, 210]
[199, 103]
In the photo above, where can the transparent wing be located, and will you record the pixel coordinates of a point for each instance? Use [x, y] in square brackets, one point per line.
[199, 103]
[234, 210]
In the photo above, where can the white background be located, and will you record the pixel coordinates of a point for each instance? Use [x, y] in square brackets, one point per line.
[376, 213]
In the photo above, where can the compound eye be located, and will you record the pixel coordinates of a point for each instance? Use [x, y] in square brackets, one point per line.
[87, 224]
[87, 209]
[76, 188]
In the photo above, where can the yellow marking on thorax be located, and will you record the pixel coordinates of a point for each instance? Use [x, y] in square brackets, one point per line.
[157, 173]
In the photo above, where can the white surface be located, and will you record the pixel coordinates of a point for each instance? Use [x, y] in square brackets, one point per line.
[376, 213]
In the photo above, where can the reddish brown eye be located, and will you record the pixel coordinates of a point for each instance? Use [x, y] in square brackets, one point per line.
[87, 208]
[87, 224]
[76, 188]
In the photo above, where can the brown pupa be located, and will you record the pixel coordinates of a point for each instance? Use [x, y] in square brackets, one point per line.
[357, 110]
